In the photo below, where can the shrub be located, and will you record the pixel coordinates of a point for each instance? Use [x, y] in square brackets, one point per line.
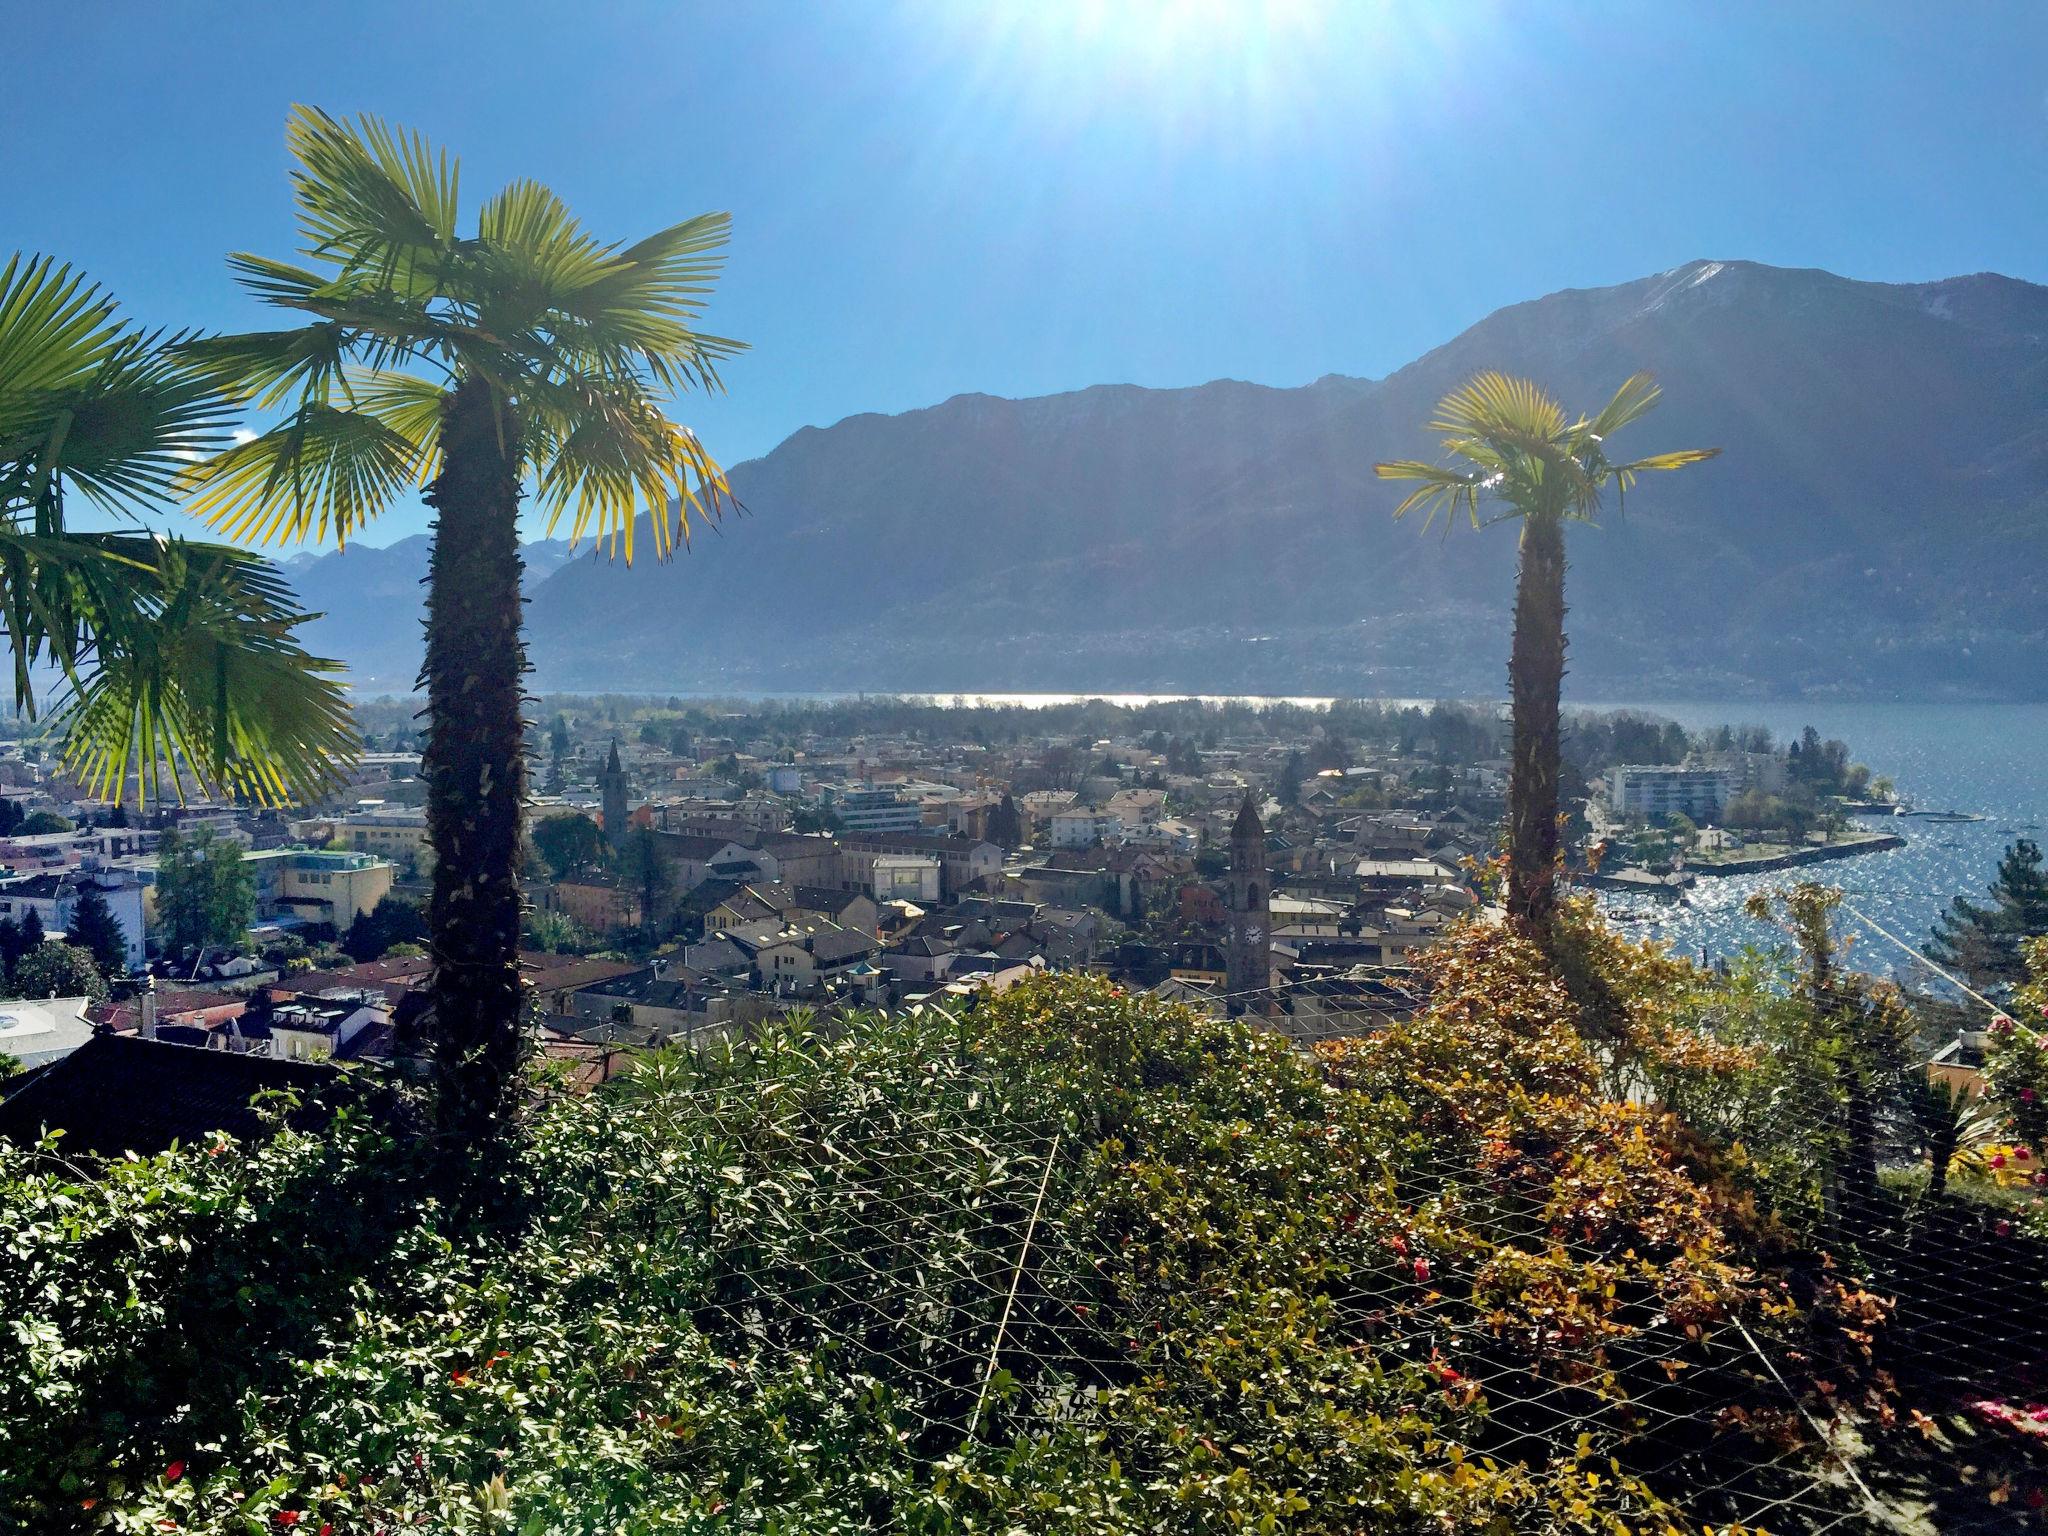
[1072, 1261]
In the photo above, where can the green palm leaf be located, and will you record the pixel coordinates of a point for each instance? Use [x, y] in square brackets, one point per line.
[199, 677]
[324, 470]
[1512, 444]
[371, 197]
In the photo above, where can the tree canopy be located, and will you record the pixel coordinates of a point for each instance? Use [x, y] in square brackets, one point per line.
[1984, 941]
[94, 928]
[205, 894]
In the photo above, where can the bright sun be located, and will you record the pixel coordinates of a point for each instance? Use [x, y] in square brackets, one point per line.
[1167, 60]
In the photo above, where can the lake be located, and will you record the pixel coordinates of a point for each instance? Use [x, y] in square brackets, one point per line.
[1987, 759]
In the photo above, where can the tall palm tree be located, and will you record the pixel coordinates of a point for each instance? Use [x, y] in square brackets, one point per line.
[526, 357]
[1515, 452]
[168, 657]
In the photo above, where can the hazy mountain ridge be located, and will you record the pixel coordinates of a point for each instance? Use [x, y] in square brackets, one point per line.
[1874, 526]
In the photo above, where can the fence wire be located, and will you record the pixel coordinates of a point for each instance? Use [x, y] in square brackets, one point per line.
[937, 1251]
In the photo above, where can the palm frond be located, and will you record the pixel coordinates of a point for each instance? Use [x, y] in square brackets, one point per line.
[1503, 410]
[1636, 398]
[197, 672]
[409, 405]
[531, 231]
[1677, 459]
[55, 326]
[269, 367]
[605, 449]
[1624, 475]
[650, 296]
[89, 403]
[321, 470]
[1446, 491]
[1525, 453]
[371, 197]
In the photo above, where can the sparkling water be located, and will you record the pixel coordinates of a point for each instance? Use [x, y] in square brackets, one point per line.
[1989, 760]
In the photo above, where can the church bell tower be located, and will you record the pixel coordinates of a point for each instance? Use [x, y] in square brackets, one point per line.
[614, 786]
[1248, 954]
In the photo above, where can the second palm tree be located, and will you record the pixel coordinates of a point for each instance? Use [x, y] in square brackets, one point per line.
[1514, 451]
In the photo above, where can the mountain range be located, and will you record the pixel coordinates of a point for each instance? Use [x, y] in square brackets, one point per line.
[1876, 526]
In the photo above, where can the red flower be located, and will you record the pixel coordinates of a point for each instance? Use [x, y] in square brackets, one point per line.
[286, 1517]
[1998, 1159]
[326, 1529]
[1422, 1269]
[2020, 1154]
[174, 1471]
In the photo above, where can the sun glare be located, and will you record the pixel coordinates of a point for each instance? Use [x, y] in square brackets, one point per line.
[1172, 64]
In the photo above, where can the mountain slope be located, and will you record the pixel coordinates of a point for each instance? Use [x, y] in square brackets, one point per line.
[1874, 526]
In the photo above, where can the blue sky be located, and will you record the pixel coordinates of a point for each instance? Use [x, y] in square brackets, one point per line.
[932, 198]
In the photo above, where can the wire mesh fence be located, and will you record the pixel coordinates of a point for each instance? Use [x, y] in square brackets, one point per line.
[953, 1247]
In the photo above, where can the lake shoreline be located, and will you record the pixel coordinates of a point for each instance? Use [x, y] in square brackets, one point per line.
[1793, 858]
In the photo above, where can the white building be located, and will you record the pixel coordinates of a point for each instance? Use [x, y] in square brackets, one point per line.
[1654, 792]
[1084, 827]
[875, 810]
[53, 897]
[912, 877]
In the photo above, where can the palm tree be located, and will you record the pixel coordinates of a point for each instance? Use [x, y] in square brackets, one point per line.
[168, 656]
[525, 357]
[1517, 453]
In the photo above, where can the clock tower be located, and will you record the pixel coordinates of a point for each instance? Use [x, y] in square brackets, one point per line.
[1248, 952]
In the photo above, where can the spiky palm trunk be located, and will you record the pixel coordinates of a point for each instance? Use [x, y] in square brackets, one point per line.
[1536, 687]
[475, 767]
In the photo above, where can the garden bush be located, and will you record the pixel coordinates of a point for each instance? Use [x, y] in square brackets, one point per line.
[1068, 1260]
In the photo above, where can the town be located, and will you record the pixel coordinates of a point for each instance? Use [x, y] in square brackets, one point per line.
[694, 870]
[1195, 766]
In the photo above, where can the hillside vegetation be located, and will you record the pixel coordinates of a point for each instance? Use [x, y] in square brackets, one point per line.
[1071, 1261]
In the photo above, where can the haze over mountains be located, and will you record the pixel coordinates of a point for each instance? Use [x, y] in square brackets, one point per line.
[1874, 526]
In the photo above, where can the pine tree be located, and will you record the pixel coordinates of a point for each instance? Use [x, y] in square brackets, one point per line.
[1982, 942]
[95, 929]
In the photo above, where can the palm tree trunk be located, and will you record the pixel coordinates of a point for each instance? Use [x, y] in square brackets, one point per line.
[475, 767]
[1536, 686]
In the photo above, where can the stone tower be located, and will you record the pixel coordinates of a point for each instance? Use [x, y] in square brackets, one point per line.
[614, 785]
[1248, 951]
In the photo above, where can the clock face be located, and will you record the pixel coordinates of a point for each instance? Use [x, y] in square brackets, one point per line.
[1255, 933]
